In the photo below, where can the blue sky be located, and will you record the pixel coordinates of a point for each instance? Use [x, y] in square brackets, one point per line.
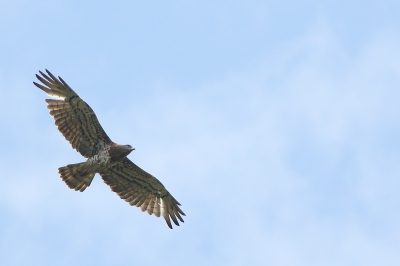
[274, 124]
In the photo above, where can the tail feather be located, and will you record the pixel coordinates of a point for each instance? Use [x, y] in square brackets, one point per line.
[76, 176]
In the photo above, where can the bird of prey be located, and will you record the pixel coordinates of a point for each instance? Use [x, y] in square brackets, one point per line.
[79, 125]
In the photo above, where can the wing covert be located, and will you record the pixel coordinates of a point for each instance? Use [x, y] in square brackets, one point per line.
[143, 190]
[73, 116]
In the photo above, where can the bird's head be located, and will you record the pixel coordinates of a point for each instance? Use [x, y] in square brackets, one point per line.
[117, 152]
[128, 148]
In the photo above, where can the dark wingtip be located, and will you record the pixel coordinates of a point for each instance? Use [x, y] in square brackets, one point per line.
[65, 83]
[51, 75]
[38, 85]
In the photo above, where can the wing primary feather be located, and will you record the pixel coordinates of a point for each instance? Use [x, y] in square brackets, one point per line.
[123, 190]
[53, 78]
[143, 207]
[65, 83]
[53, 101]
[166, 215]
[64, 119]
[150, 207]
[63, 128]
[174, 218]
[179, 217]
[134, 199]
[45, 82]
[176, 212]
[126, 192]
[46, 90]
[139, 200]
[54, 112]
[131, 198]
[62, 115]
[157, 206]
[46, 77]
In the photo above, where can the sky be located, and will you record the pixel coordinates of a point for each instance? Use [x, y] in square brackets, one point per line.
[274, 124]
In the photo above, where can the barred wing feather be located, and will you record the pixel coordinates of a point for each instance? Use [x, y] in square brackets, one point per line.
[73, 117]
[143, 190]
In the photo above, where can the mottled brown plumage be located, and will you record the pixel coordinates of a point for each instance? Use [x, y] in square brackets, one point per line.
[79, 125]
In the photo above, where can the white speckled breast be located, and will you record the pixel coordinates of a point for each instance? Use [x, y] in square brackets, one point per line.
[99, 161]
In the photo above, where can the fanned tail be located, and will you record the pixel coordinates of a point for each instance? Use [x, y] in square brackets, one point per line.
[76, 176]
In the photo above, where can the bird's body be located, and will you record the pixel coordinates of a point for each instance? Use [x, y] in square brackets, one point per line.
[106, 157]
[80, 126]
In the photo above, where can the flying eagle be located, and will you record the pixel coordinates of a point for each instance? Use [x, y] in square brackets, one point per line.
[79, 125]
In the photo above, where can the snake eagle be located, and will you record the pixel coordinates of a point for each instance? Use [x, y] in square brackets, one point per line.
[79, 125]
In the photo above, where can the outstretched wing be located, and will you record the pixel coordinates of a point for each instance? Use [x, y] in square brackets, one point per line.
[143, 190]
[73, 117]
